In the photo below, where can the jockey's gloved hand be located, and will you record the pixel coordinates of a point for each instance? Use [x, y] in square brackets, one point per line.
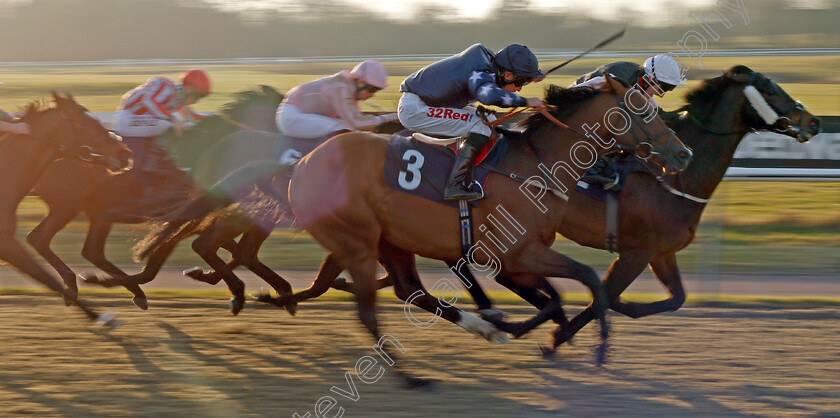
[178, 125]
[390, 117]
[535, 103]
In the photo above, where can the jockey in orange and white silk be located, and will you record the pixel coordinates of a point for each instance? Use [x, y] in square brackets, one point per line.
[328, 105]
[147, 110]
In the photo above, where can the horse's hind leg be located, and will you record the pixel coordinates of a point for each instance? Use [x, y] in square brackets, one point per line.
[41, 237]
[539, 298]
[210, 277]
[247, 251]
[206, 245]
[668, 272]
[94, 251]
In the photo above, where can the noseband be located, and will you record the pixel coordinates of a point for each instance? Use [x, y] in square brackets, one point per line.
[641, 145]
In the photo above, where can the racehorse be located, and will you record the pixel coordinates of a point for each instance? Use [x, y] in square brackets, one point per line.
[659, 216]
[69, 187]
[338, 193]
[256, 152]
[63, 130]
[657, 220]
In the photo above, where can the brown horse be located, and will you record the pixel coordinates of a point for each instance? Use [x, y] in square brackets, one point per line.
[658, 216]
[69, 187]
[339, 195]
[218, 230]
[64, 130]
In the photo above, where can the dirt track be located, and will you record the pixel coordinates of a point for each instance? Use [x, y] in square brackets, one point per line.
[190, 357]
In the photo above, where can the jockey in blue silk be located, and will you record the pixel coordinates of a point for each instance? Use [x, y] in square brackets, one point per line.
[436, 100]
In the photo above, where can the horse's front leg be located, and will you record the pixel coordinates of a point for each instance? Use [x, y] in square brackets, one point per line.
[668, 272]
[94, 251]
[540, 260]
[622, 272]
[41, 236]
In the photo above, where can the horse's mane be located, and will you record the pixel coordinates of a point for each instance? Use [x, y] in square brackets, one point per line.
[709, 90]
[35, 106]
[266, 95]
[565, 101]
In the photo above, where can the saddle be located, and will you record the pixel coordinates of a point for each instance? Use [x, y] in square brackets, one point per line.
[290, 149]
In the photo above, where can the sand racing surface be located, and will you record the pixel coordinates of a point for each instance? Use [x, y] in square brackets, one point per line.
[188, 356]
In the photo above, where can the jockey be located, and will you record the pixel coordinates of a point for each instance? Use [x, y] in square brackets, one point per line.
[435, 101]
[149, 110]
[326, 106]
[8, 124]
[657, 75]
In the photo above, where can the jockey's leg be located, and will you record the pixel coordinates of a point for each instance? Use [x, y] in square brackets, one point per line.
[457, 187]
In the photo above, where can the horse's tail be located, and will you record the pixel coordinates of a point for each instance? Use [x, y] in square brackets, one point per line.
[179, 224]
[268, 178]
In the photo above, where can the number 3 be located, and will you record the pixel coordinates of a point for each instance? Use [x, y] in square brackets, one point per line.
[415, 162]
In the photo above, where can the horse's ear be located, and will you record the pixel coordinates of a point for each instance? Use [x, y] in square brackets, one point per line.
[739, 74]
[615, 85]
[56, 97]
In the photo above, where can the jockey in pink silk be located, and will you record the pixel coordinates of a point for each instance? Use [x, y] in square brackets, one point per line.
[326, 106]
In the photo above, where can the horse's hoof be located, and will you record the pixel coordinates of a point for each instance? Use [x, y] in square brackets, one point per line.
[141, 302]
[69, 296]
[481, 327]
[341, 283]
[90, 278]
[545, 351]
[194, 272]
[237, 303]
[492, 315]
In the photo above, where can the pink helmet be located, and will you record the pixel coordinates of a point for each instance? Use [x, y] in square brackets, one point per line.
[372, 73]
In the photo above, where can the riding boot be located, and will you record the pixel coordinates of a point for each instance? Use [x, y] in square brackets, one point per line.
[457, 187]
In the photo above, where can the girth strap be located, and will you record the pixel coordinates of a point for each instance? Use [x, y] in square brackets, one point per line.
[465, 221]
[612, 223]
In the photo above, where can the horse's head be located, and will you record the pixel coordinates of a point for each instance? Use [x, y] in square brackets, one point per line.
[635, 124]
[86, 138]
[771, 108]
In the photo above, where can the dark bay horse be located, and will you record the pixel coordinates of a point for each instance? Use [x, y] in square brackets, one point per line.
[69, 187]
[339, 195]
[655, 222]
[659, 216]
[63, 130]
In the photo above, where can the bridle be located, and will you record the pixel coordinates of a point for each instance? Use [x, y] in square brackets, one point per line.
[72, 148]
[776, 123]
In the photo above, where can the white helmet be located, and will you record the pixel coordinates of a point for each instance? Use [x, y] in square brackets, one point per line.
[372, 73]
[664, 68]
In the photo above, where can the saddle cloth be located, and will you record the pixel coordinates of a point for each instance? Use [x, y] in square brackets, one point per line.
[627, 163]
[296, 149]
[422, 169]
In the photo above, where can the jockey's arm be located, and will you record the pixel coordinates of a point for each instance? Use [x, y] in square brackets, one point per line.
[347, 107]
